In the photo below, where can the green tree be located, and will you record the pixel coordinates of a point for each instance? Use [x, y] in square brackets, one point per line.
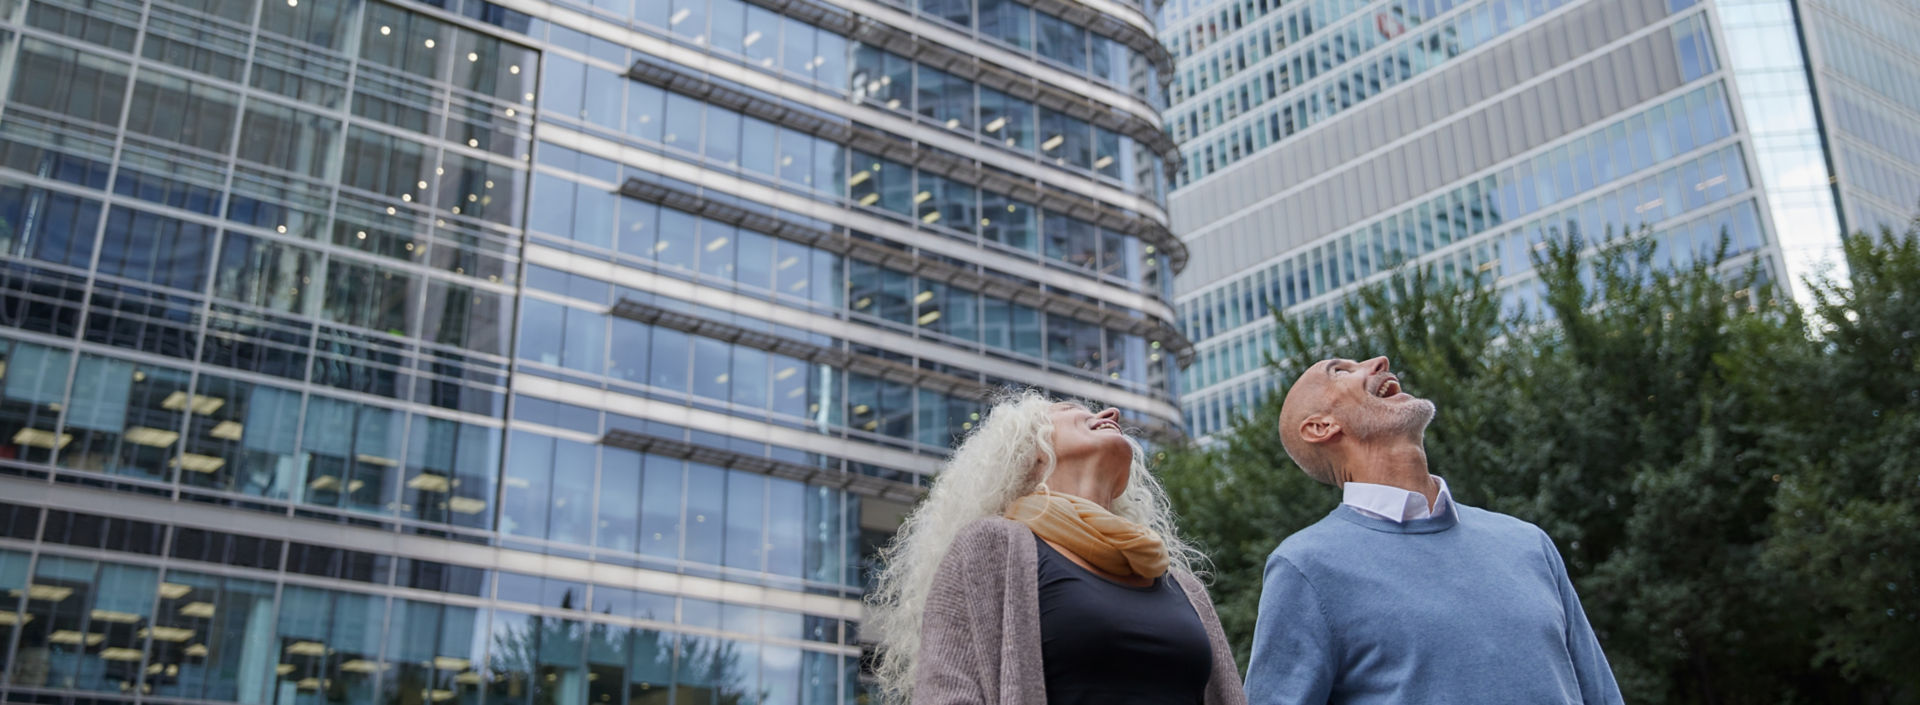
[1672, 430]
[1847, 527]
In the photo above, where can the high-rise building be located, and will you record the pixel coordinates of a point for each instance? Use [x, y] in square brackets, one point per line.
[530, 351]
[1329, 141]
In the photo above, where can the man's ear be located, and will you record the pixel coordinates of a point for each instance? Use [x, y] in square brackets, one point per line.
[1319, 428]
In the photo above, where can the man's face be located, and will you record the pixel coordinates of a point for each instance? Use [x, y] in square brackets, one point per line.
[1365, 399]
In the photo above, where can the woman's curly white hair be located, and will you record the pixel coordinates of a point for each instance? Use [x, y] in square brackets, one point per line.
[1008, 456]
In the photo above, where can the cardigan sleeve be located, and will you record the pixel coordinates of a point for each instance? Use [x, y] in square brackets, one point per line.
[950, 669]
[1223, 683]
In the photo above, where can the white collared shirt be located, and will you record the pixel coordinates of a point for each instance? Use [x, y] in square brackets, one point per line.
[1392, 503]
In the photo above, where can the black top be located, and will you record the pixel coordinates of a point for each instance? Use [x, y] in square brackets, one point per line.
[1112, 644]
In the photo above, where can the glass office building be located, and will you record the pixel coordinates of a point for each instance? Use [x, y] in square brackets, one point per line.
[1327, 142]
[359, 351]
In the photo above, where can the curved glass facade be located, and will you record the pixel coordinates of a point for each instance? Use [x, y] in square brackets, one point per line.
[359, 351]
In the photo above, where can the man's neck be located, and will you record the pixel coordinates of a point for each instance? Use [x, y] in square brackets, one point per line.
[1399, 464]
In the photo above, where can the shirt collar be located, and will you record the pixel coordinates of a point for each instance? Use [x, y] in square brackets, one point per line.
[1393, 503]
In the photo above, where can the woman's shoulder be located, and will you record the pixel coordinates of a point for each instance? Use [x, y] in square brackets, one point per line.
[993, 531]
[984, 546]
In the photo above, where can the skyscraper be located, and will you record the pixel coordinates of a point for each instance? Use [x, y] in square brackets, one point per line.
[1327, 142]
[535, 352]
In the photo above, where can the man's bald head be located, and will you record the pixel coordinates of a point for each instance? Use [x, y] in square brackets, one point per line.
[1338, 406]
[1307, 398]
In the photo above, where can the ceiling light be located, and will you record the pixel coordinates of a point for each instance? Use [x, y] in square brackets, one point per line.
[859, 177]
[931, 217]
[199, 463]
[451, 663]
[198, 610]
[929, 317]
[466, 505]
[174, 591]
[923, 297]
[1052, 142]
[69, 636]
[202, 405]
[371, 459]
[37, 438]
[922, 197]
[227, 430]
[197, 650]
[360, 665]
[785, 373]
[50, 593]
[119, 653]
[429, 482]
[717, 243]
[1102, 162]
[870, 199]
[680, 16]
[996, 124]
[174, 634]
[307, 648]
[753, 36]
[114, 617]
[150, 437]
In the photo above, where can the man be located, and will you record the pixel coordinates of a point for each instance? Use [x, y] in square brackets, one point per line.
[1402, 595]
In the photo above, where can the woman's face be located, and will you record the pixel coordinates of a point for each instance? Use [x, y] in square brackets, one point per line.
[1085, 438]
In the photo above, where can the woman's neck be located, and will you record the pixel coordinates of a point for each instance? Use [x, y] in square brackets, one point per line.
[1084, 478]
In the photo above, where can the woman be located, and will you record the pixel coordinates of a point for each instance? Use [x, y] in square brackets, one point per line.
[1043, 569]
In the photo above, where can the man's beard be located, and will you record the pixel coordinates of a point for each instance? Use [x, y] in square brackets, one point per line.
[1407, 419]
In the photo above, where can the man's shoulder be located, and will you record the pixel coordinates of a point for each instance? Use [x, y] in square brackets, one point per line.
[1323, 539]
[1503, 525]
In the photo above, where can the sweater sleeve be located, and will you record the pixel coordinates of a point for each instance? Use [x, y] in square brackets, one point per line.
[1293, 660]
[1597, 686]
[947, 670]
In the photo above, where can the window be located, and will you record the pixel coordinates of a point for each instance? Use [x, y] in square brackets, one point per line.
[669, 366]
[959, 12]
[1008, 221]
[1065, 140]
[745, 521]
[944, 98]
[660, 517]
[706, 507]
[351, 453]
[1007, 119]
[152, 248]
[1062, 41]
[712, 368]
[322, 630]
[684, 117]
[1007, 20]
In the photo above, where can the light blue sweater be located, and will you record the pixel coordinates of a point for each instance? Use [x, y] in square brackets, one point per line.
[1468, 606]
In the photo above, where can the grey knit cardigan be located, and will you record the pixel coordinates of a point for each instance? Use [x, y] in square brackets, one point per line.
[980, 636]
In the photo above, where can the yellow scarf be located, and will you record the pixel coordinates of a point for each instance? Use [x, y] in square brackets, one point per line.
[1108, 541]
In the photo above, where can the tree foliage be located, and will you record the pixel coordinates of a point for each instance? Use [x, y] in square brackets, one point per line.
[1733, 484]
